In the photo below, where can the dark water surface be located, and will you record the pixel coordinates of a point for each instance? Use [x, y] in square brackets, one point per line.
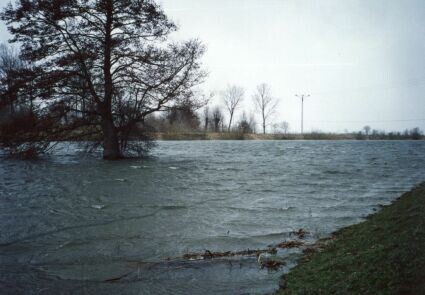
[70, 222]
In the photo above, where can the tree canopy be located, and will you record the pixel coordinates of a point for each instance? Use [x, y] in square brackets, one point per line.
[104, 65]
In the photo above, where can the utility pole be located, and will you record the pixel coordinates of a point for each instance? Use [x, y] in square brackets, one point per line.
[302, 96]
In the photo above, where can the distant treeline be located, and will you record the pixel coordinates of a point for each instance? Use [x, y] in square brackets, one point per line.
[188, 122]
[117, 85]
[201, 135]
[414, 134]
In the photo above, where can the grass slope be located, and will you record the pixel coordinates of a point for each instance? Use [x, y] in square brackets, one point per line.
[383, 255]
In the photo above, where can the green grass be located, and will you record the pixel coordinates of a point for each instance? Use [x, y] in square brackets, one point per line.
[383, 255]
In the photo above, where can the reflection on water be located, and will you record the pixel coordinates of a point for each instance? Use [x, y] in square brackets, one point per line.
[70, 222]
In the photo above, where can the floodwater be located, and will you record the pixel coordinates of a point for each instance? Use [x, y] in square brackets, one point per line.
[70, 222]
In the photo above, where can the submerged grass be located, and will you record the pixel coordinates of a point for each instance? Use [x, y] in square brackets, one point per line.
[383, 255]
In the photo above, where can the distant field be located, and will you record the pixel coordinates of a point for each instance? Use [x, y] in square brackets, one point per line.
[254, 136]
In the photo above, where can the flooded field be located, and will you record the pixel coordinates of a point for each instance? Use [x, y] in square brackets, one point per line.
[74, 222]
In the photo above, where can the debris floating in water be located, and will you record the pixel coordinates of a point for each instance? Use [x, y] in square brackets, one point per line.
[120, 179]
[290, 244]
[173, 168]
[301, 233]
[98, 206]
[136, 167]
[269, 261]
[210, 255]
[266, 258]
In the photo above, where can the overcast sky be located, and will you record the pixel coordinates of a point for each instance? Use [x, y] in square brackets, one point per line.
[362, 61]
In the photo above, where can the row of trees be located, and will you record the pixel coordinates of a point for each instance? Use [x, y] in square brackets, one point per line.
[263, 99]
[30, 120]
[368, 133]
[224, 117]
[106, 70]
[187, 119]
[232, 98]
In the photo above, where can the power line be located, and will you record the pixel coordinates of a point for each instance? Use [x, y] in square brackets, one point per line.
[367, 121]
[406, 83]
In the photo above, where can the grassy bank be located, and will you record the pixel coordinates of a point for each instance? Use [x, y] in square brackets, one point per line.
[383, 255]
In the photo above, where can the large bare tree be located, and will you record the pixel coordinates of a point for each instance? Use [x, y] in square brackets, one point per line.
[109, 61]
[265, 103]
[232, 97]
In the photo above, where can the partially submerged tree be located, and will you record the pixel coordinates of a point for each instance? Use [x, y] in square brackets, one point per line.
[232, 97]
[265, 103]
[105, 62]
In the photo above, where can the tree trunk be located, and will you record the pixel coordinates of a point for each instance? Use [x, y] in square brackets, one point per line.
[230, 122]
[111, 148]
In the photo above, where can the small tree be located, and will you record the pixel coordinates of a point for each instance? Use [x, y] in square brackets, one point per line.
[415, 133]
[252, 122]
[282, 127]
[206, 111]
[232, 97]
[246, 125]
[206, 117]
[217, 118]
[285, 127]
[265, 103]
[366, 130]
[183, 117]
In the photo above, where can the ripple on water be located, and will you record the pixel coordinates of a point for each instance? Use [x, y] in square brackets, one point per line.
[72, 217]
